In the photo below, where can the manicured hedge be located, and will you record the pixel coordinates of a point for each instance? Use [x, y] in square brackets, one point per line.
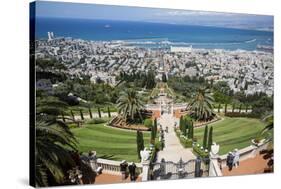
[237, 114]
[197, 150]
[186, 143]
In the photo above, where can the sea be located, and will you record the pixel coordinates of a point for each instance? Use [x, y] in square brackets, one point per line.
[154, 35]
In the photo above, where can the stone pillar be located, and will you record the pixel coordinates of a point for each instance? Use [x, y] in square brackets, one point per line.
[145, 170]
[214, 168]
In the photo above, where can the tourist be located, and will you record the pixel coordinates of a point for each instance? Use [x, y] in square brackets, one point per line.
[162, 144]
[132, 170]
[229, 160]
[198, 167]
[236, 158]
[123, 169]
[166, 129]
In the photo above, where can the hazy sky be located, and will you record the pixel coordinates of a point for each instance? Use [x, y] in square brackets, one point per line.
[93, 11]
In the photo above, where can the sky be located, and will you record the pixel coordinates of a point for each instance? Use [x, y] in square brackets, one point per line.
[171, 16]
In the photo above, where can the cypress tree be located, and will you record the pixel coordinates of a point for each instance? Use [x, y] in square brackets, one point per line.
[185, 126]
[81, 114]
[90, 112]
[108, 111]
[181, 123]
[63, 118]
[225, 108]
[210, 141]
[192, 130]
[155, 128]
[240, 107]
[72, 115]
[140, 143]
[99, 112]
[152, 134]
[219, 108]
[205, 137]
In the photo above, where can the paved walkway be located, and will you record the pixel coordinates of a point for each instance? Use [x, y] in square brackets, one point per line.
[105, 178]
[173, 150]
[254, 165]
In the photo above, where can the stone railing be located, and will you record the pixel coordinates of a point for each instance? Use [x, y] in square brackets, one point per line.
[247, 152]
[145, 170]
[113, 167]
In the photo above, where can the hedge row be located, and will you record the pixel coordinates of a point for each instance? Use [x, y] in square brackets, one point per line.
[237, 114]
[186, 143]
[200, 152]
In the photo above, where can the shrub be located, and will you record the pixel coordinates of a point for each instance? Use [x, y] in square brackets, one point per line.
[148, 123]
[200, 152]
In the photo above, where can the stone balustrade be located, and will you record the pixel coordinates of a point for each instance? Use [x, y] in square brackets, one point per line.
[247, 152]
[113, 167]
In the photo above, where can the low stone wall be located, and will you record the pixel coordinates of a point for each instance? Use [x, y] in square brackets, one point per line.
[247, 152]
[125, 126]
[113, 167]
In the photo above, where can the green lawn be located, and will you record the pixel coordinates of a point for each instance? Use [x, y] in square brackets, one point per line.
[232, 133]
[110, 143]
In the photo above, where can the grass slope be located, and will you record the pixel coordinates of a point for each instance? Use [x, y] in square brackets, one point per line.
[232, 133]
[110, 143]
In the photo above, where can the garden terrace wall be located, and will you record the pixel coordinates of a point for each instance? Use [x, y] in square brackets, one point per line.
[122, 125]
[201, 124]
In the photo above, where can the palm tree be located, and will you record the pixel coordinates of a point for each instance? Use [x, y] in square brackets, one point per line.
[202, 104]
[53, 143]
[129, 104]
[51, 154]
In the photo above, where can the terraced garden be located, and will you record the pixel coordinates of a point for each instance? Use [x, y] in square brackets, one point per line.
[232, 133]
[110, 143]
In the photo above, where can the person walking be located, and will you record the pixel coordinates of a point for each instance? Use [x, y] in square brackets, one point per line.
[229, 160]
[132, 171]
[123, 169]
[236, 158]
